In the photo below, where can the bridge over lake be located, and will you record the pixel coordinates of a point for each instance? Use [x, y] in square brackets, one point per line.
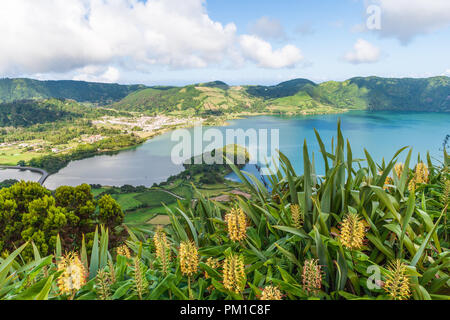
[44, 173]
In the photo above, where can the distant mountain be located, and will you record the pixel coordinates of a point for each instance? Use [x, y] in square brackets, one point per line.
[102, 93]
[284, 89]
[431, 94]
[215, 84]
[295, 96]
[216, 98]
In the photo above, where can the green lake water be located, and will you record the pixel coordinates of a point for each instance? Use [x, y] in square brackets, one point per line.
[381, 133]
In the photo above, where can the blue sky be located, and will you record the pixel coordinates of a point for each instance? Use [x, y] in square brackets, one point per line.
[178, 42]
[331, 23]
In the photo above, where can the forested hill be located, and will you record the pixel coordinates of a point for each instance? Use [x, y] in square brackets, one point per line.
[26, 113]
[101, 93]
[431, 94]
[296, 96]
[216, 98]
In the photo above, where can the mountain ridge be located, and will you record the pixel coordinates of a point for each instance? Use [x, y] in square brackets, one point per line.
[297, 96]
[217, 97]
[13, 89]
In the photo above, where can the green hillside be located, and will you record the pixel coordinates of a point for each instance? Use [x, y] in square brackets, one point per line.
[102, 93]
[298, 96]
[215, 98]
[284, 89]
[25, 113]
[432, 94]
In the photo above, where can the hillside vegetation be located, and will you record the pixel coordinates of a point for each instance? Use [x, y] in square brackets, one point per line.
[25, 113]
[102, 93]
[298, 96]
[50, 132]
[203, 99]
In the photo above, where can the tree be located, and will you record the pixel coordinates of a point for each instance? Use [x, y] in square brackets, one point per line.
[29, 212]
[110, 212]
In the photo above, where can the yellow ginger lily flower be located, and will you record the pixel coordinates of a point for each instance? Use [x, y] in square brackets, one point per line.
[397, 283]
[73, 276]
[188, 258]
[237, 225]
[234, 278]
[312, 276]
[271, 293]
[296, 215]
[352, 232]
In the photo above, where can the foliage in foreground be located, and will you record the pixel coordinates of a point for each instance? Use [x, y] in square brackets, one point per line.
[30, 212]
[375, 232]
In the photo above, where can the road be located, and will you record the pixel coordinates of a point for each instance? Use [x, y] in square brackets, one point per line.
[44, 173]
[169, 192]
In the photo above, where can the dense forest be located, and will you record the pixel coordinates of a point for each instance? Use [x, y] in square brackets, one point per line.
[25, 113]
[102, 93]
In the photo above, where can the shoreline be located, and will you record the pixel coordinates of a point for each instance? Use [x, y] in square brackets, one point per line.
[221, 121]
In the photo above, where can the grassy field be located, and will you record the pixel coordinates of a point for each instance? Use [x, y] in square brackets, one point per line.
[139, 207]
[155, 198]
[142, 207]
[96, 192]
[10, 156]
[128, 201]
[139, 216]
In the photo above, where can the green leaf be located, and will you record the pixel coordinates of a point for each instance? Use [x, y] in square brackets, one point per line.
[122, 290]
[211, 272]
[43, 294]
[93, 268]
[307, 179]
[298, 232]
[379, 245]
[322, 253]
[84, 257]
[422, 248]
[7, 263]
[103, 249]
[161, 287]
[288, 255]
[58, 247]
[406, 218]
[382, 195]
[38, 291]
[191, 226]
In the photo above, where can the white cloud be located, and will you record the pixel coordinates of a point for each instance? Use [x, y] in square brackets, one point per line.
[262, 53]
[405, 19]
[447, 72]
[268, 28]
[363, 52]
[101, 39]
[98, 74]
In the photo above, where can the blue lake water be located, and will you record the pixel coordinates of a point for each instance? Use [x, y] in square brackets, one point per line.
[381, 133]
[19, 175]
